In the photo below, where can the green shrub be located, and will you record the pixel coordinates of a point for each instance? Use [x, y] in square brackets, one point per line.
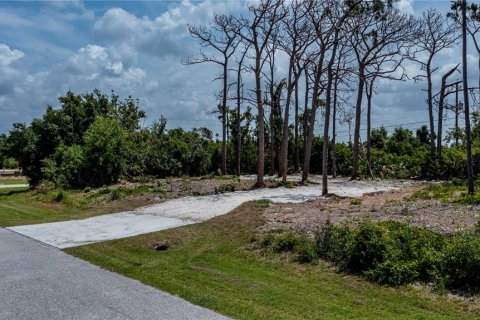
[280, 241]
[225, 188]
[331, 242]
[286, 242]
[116, 195]
[305, 249]
[58, 196]
[462, 261]
[355, 202]
[104, 191]
[368, 247]
[393, 272]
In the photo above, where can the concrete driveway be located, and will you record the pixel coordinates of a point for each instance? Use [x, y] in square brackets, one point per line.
[39, 282]
[13, 186]
[183, 211]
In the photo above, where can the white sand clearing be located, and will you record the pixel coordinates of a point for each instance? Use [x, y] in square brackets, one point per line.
[183, 211]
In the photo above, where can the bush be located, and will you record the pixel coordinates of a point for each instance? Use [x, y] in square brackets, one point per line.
[58, 196]
[462, 261]
[305, 249]
[368, 248]
[280, 241]
[395, 253]
[10, 163]
[225, 188]
[331, 243]
[393, 272]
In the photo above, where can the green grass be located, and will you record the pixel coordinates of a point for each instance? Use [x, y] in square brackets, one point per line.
[214, 264]
[448, 192]
[20, 206]
[13, 181]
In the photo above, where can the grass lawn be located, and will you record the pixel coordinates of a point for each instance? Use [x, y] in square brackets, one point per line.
[210, 264]
[13, 181]
[19, 206]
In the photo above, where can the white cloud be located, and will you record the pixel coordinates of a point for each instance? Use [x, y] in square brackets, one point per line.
[7, 56]
[406, 6]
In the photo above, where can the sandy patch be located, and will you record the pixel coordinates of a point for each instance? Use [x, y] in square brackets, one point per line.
[379, 206]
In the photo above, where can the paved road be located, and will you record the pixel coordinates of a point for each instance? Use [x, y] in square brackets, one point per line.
[39, 282]
[178, 212]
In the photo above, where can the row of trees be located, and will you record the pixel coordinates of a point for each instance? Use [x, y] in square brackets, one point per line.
[95, 139]
[341, 49]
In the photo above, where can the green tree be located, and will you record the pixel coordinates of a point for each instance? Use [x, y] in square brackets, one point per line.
[106, 151]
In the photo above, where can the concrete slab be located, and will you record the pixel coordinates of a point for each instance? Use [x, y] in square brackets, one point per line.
[39, 282]
[11, 186]
[74, 233]
[182, 211]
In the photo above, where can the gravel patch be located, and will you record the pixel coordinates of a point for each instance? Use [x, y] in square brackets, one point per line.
[394, 205]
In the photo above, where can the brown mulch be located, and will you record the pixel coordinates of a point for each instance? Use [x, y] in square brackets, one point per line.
[394, 205]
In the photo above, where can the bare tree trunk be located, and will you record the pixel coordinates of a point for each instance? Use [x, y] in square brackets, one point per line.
[224, 119]
[308, 143]
[239, 117]
[430, 111]
[456, 114]
[305, 113]
[297, 155]
[440, 112]
[272, 143]
[334, 130]
[358, 115]
[478, 82]
[260, 125]
[369, 92]
[471, 187]
[284, 147]
[328, 108]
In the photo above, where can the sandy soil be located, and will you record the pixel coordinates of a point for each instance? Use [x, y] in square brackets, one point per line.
[393, 205]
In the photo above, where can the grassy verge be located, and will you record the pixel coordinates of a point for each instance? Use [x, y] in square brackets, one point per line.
[13, 181]
[21, 206]
[212, 264]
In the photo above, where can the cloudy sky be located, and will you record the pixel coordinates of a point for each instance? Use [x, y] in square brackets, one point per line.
[136, 48]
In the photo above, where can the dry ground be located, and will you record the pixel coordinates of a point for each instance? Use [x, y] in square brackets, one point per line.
[394, 205]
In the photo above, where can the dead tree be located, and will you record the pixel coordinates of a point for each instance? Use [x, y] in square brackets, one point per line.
[256, 32]
[271, 50]
[294, 42]
[375, 37]
[221, 37]
[460, 10]
[473, 28]
[437, 33]
[441, 109]
[238, 153]
[324, 36]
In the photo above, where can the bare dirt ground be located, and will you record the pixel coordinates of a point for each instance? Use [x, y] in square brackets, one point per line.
[395, 205]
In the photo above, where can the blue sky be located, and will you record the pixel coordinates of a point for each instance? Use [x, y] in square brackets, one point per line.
[136, 48]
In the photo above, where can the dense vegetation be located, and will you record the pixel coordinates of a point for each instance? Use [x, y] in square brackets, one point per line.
[390, 253]
[94, 139]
